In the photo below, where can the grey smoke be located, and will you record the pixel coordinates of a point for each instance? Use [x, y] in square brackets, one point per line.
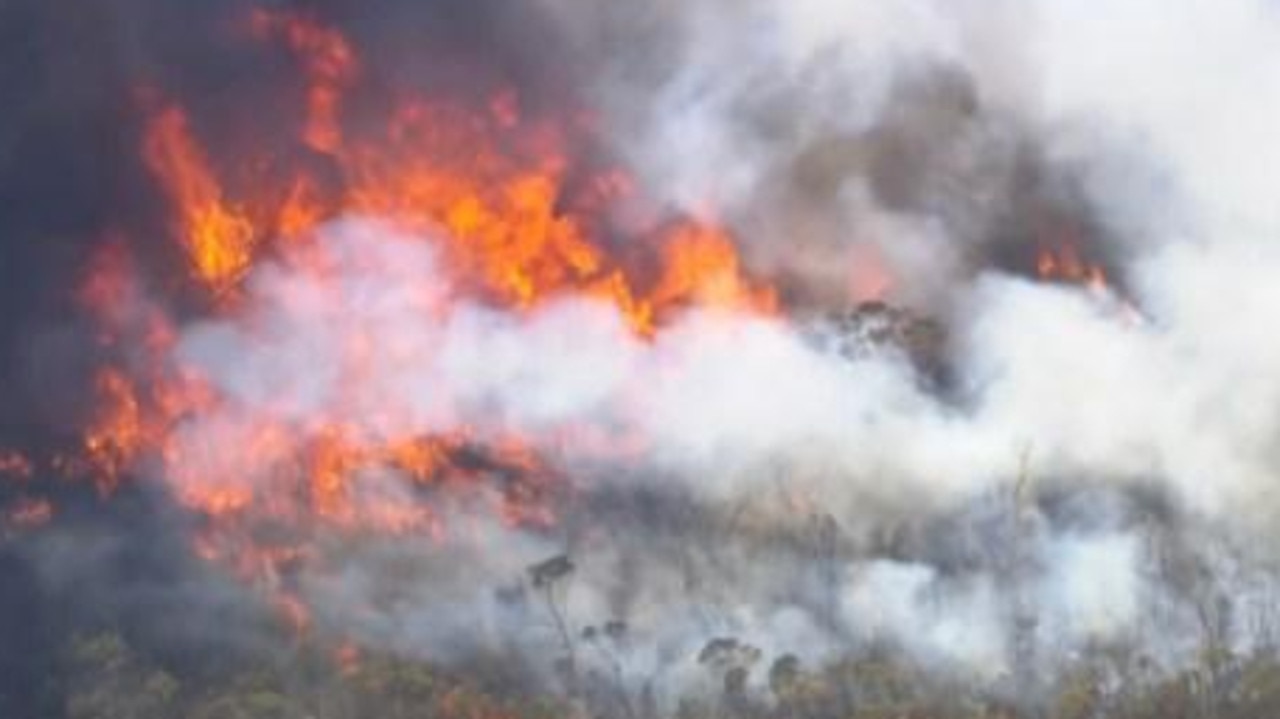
[1099, 469]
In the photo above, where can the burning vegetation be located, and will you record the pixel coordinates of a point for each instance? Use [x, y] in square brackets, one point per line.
[485, 188]
[515, 378]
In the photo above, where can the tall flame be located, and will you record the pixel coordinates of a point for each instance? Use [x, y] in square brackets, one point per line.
[218, 237]
[516, 219]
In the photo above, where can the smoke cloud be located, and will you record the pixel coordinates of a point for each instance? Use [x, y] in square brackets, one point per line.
[798, 486]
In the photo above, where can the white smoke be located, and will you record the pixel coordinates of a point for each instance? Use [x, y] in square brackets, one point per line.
[1165, 113]
[736, 411]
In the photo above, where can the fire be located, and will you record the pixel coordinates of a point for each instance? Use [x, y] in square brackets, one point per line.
[15, 464]
[115, 436]
[218, 237]
[1063, 262]
[702, 266]
[27, 514]
[491, 182]
[515, 216]
[329, 63]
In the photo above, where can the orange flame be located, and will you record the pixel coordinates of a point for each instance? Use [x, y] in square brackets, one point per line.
[1063, 262]
[115, 436]
[515, 219]
[330, 66]
[218, 237]
[701, 267]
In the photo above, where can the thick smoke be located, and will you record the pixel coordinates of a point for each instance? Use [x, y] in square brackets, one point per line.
[1095, 469]
[1088, 448]
[783, 463]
